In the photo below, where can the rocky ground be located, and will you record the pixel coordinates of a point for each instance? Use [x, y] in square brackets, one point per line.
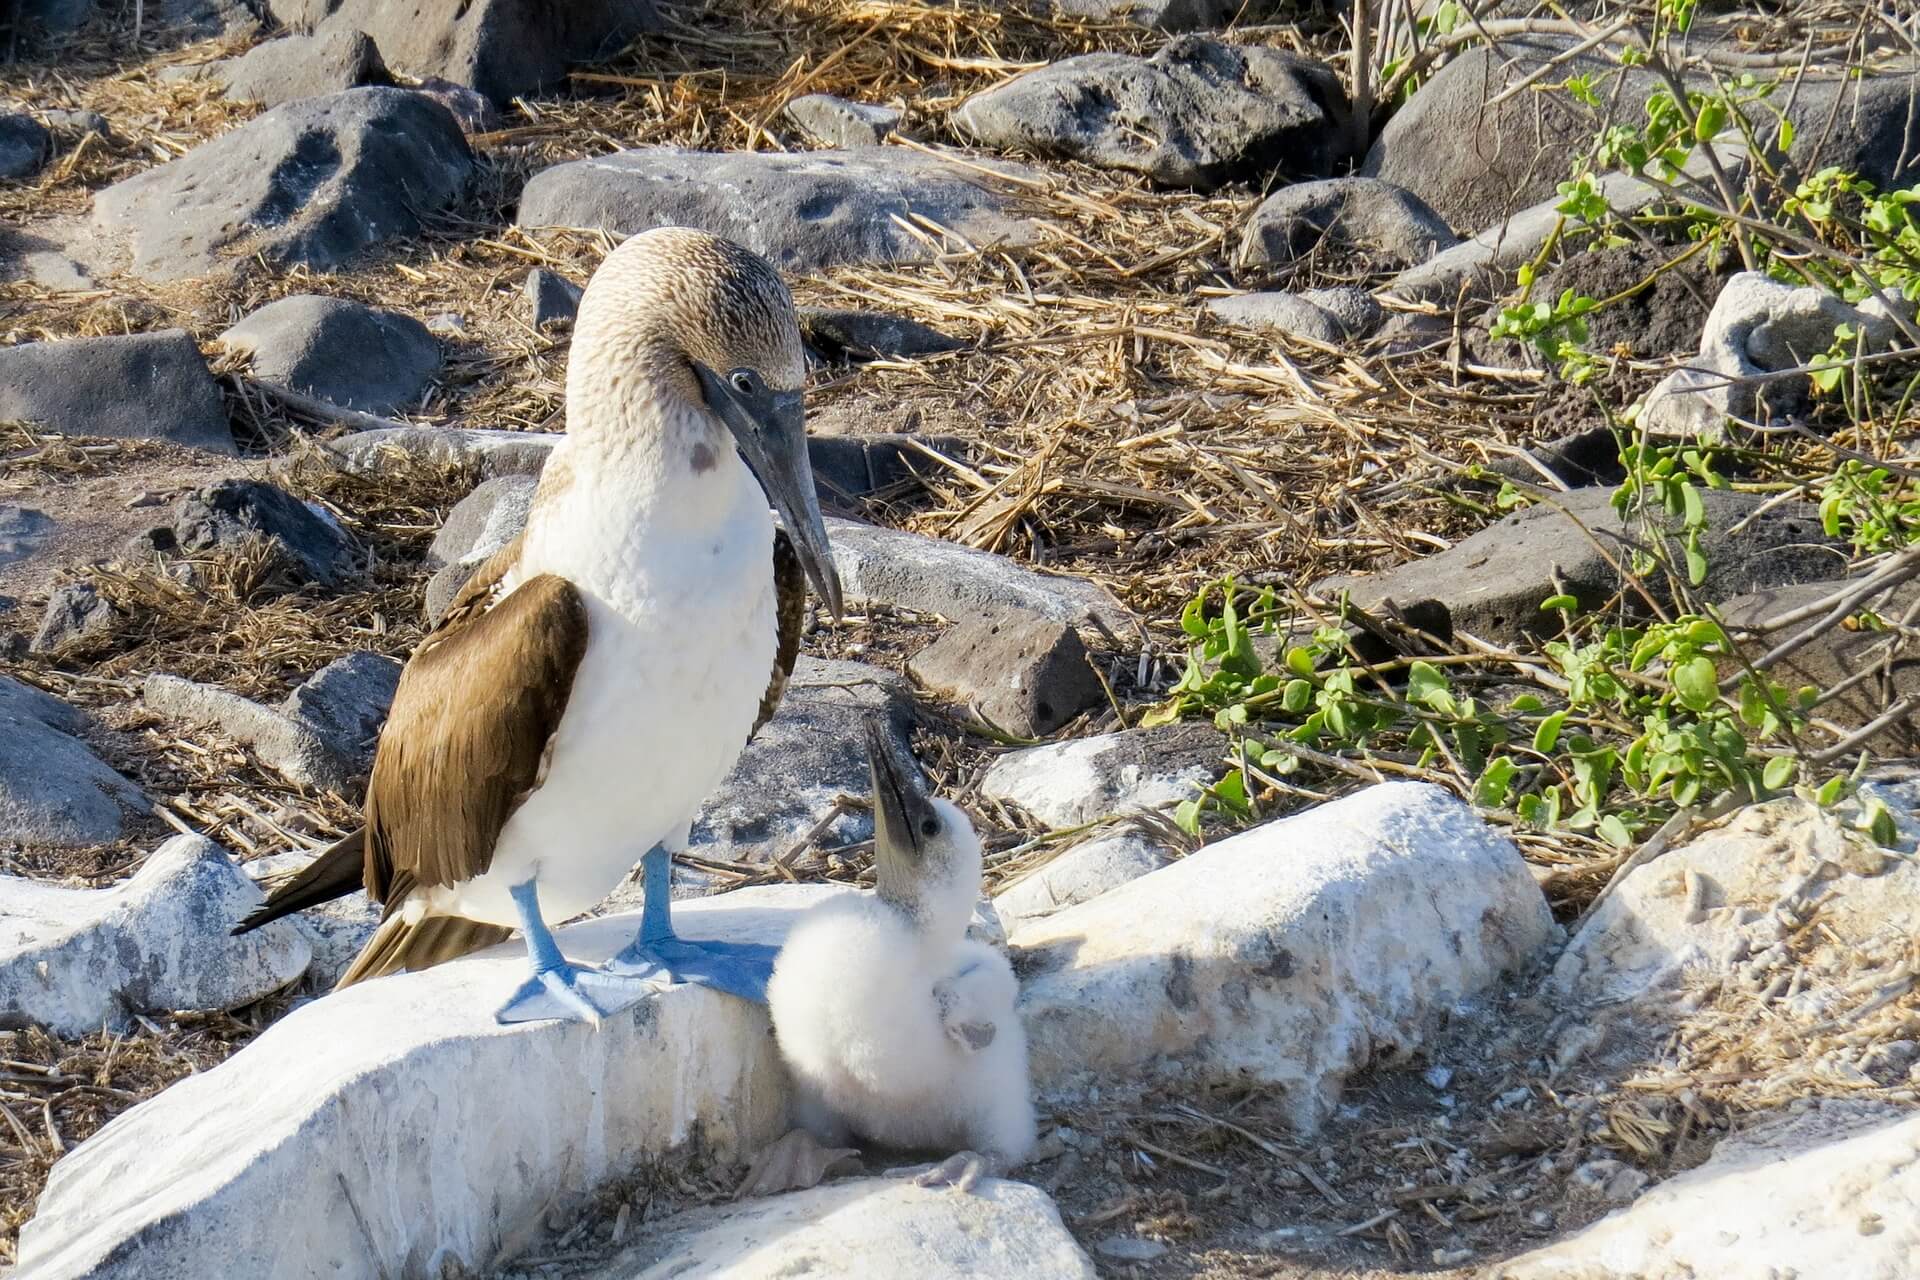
[1099, 314]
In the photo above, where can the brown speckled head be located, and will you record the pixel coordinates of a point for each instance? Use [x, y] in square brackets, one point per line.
[687, 346]
[674, 295]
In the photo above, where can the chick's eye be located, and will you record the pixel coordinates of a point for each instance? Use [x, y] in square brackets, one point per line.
[929, 826]
[742, 380]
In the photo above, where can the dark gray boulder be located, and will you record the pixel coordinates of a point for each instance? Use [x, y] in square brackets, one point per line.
[345, 703]
[1326, 316]
[1168, 15]
[1491, 584]
[552, 299]
[1029, 676]
[53, 789]
[309, 183]
[836, 122]
[75, 612]
[142, 386]
[804, 212]
[1199, 113]
[1365, 223]
[299, 66]
[24, 144]
[502, 48]
[1477, 164]
[345, 352]
[836, 334]
[235, 514]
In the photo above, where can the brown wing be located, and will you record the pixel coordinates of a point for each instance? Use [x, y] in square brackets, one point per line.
[467, 736]
[790, 619]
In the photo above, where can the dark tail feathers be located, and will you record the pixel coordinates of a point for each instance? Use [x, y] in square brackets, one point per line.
[338, 871]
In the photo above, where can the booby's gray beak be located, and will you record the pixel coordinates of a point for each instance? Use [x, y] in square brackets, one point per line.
[770, 428]
[899, 805]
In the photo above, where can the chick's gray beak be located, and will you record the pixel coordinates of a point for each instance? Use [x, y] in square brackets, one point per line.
[770, 429]
[894, 833]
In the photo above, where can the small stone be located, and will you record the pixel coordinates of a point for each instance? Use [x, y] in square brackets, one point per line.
[1282, 313]
[867, 335]
[53, 790]
[835, 122]
[302, 66]
[1029, 676]
[344, 352]
[1283, 956]
[1129, 1249]
[912, 571]
[490, 452]
[450, 323]
[552, 299]
[1363, 221]
[77, 123]
[804, 212]
[144, 386]
[75, 960]
[74, 613]
[345, 703]
[1610, 1180]
[1451, 1257]
[1067, 784]
[23, 531]
[1437, 1077]
[1491, 584]
[1199, 113]
[1355, 310]
[291, 748]
[233, 515]
[24, 144]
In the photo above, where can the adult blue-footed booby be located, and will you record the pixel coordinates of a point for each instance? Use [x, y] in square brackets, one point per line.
[895, 1026]
[596, 679]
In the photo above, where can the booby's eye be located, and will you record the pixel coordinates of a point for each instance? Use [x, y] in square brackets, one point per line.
[743, 381]
[929, 827]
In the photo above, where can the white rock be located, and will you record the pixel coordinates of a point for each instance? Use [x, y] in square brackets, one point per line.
[493, 451]
[394, 1128]
[912, 571]
[74, 960]
[1079, 874]
[1708, 907]
[1758, 326]
[1067, 784]
[334, 930]
[862, 1229]
[1831, 1192]
[1288, 955]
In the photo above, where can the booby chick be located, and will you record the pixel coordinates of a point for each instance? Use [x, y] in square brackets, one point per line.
[896, 1028]
[596, 679]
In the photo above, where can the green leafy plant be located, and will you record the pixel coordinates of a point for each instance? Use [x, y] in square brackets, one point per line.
[1669, 481]
[1871, 508]
[1557, 330]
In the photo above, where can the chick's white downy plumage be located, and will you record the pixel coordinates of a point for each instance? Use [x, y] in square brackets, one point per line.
[896, 1028]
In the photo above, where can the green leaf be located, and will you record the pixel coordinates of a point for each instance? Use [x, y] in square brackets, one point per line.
[1496, 780]
[1569, 603]
[1186, 816]
[1696, 564]
[1778, 772]
[1298, 696]
[1299, 661]
[1424, 680]
[1696, 680]
[1547, 736]
[1878, 823]
[1614, 831]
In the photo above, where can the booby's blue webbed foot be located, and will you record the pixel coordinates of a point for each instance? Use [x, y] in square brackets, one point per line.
[657, 954]
[737, 968]
[559, 988]
[573, 991]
